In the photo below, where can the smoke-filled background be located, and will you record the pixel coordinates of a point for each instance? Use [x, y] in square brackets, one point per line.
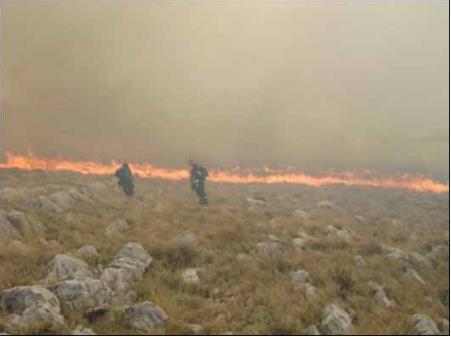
[331, 84]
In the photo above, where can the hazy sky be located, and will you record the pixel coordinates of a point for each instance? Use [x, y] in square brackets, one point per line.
[331, 84]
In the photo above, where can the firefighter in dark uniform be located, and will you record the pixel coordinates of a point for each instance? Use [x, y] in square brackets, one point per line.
[197, 179]
[125, 177]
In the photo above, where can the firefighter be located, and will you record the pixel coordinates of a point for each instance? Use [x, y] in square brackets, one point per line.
[125, 177]
[197, 179]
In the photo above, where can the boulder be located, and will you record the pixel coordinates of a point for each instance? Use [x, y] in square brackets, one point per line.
[78, 196]
[9, 194]
[299, 214]
[330, 205]
[87, 252]
[195, 329]
[360, 219]
[411, 274]
[82, 293]
[300, 277]
[43, 203]
[190, 275]
[312, 330]
[81, 331]
[437, 252]
[395, 253]
[379, 294]
[63, 267]
[309, 291]
[268, 247]
[16, 300]
[342, 233]
[360, 262]
[444, 325]
[95, 189]
[257, 201]
[7, 230]
[19, 247]
[127, 267]
[31, 309]
[299, 243]
[116, 227]
[418, 259]
[145, 315]
[63, 199]
[20, 222]
[335, 321]
[423, 325]
[185, 238]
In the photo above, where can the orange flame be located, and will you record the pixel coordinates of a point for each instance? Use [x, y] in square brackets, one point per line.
[236, 176]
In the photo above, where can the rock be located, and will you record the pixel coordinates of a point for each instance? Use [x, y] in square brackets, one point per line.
[127, 267]
[32, 309]
[360, 219]
[43, 203]
[19, 247]
[80, 331]
[423, 325]
[359, 261]
[20, 222]
[7, 230]
[116, 227]
[312, 330]
[396, 253]
[300, 277]
[62, 199]
[299, 243]
[335, 321]
[257, 201]
[273, 238]
[195, 329]
[299, 214]
[434, 302]
[83, 293]
[309, 291]
[379, 294]
[63, 267]
[326, 204]
[436, 252]
[268, 247]
[145, 315]
[444, 325]
[78, 196]
[418, 259]
[411, 274]
[16, 300]
[95, 189]
[36, 319]
[243, 257]
[185, 238]
[9, 194]
[87, 252]
[92, 314]
[190, 275]
[342, 233]
[302, 240]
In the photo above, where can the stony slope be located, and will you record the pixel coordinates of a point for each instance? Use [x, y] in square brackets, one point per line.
[76, 256]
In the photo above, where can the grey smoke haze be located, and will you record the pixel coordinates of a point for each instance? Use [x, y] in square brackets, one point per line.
[331, 84]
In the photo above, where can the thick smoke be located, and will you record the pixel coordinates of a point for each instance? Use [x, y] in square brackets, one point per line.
[328, 85]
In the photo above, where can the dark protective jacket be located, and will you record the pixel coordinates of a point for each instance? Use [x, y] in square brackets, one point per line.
[198, 175]
[125, 179]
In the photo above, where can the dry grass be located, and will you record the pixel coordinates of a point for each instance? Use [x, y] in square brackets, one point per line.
[253, 295]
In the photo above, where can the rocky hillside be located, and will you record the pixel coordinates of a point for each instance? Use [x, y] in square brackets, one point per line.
[77, 257]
